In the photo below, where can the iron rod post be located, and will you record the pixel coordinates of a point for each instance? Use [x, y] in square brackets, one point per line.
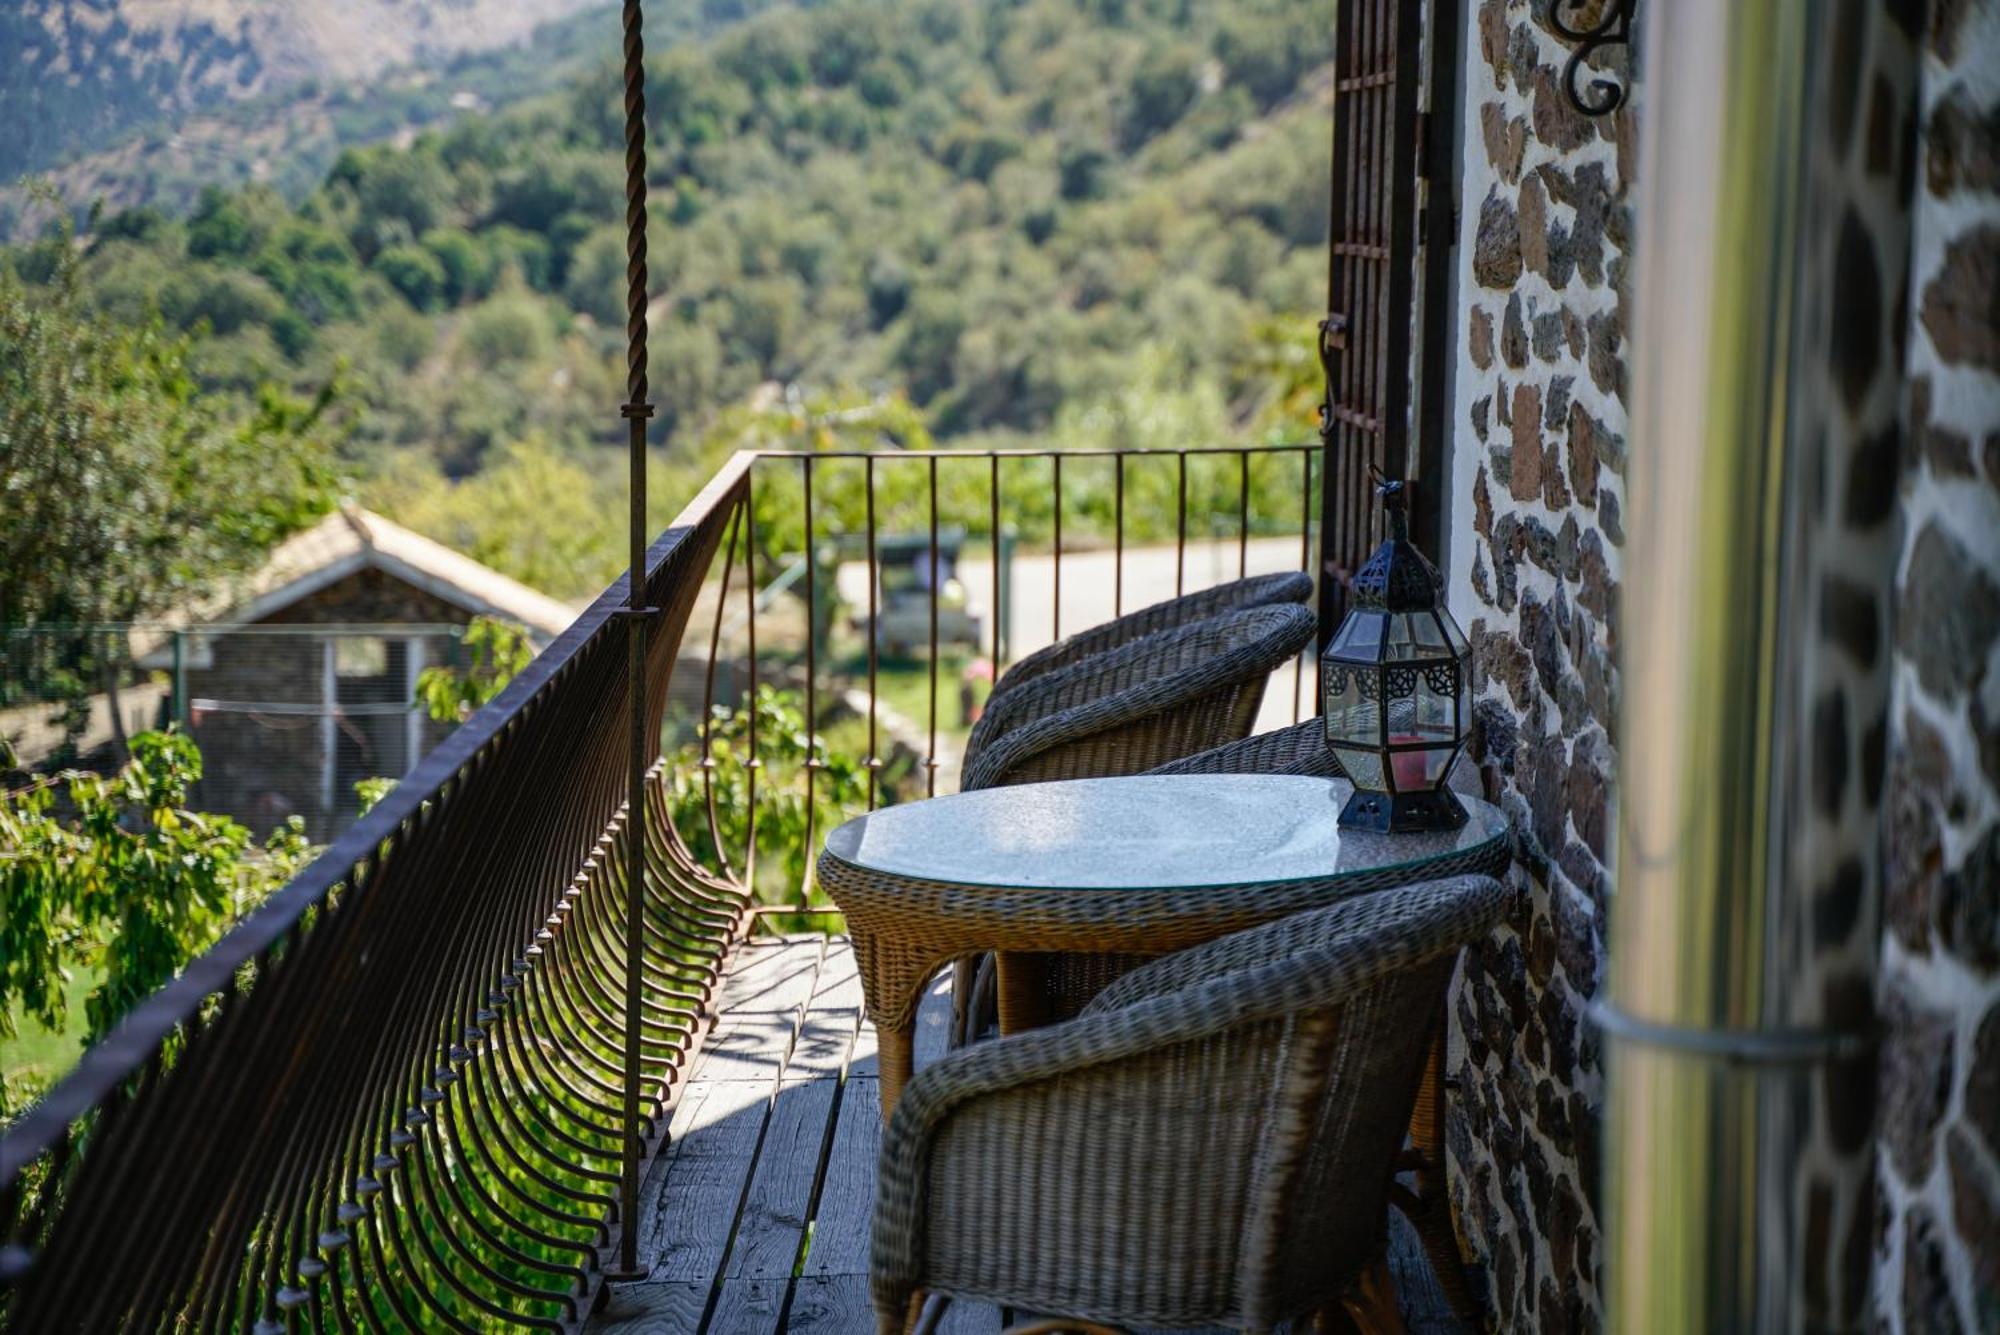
[636, 411]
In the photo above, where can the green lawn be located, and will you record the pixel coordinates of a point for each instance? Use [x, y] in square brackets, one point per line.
[45, 1055]
[905, 686]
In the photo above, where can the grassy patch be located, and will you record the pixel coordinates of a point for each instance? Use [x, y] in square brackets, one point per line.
[904, 684]
[45, 1055]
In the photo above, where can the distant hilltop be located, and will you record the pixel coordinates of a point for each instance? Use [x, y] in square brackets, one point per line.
[78, 76]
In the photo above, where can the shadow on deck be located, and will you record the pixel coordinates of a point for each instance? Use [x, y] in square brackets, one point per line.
[756, 1218]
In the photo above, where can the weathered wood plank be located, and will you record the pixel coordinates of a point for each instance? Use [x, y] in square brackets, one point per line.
[831, 1305]
[1425, 1309]
[865, 1059]
[705, 1180]
[655, 1215]
[771, 976]
[966, 1317]
[934, 1021]
[773, 1219]
[839, 984]
[750, 1046]
[747, 1307]
[652, 1309]
[847, 1193]
[933, 1029]
[825, 1039]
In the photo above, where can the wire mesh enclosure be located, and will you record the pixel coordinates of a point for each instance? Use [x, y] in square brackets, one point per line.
[290, 719]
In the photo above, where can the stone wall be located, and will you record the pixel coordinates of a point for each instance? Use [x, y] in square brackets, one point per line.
[1538, 459]
[1938, 1227]
[263, 765]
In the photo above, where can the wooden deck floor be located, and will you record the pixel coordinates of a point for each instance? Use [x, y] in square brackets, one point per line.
[755, 1220]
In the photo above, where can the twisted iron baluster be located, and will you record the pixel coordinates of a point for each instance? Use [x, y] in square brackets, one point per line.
[636, 411]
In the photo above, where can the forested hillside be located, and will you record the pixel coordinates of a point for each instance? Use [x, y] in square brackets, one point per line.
[1081, 220]
[136, 102]
[74, 73]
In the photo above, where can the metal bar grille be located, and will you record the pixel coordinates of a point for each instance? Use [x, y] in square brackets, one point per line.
[389, 1099]
[1365, 343]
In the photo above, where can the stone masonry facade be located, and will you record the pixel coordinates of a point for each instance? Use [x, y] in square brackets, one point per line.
[1937, 1249]
[1538, 482]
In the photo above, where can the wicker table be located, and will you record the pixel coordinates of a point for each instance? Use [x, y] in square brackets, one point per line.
[1140, 865]
[1123, 866]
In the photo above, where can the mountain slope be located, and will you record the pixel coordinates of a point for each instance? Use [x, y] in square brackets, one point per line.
[1068, 222]
[76, 74]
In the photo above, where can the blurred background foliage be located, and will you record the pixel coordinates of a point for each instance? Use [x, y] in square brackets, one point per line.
[109, 886]
[1015, 223]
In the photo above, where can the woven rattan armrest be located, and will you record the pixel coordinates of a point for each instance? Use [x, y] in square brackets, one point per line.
[1314, 960]
[1258, 590]
[1299, 749]
[1035, 719]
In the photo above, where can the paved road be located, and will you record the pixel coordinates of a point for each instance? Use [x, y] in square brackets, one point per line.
[1089, 587]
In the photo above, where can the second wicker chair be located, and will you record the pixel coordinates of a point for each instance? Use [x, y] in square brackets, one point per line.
[1210, 1142]
[1256, 591]
[1142, 704]
[1123, 710]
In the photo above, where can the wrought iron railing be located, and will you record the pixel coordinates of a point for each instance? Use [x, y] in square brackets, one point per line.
[394, 1096]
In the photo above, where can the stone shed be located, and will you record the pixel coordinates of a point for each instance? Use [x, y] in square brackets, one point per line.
[302, 682]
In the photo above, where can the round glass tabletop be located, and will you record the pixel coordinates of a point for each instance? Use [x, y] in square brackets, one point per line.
[1153, 831]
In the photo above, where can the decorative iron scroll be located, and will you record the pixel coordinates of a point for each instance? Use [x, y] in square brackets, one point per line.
[1612, 28]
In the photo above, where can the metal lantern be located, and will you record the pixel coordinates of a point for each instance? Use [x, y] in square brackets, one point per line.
[1394, 691]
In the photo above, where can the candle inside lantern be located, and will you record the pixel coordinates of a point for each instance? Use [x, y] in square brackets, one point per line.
[1407, 767]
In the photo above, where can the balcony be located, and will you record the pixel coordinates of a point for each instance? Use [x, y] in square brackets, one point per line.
[756, 1214]
[396, 1096]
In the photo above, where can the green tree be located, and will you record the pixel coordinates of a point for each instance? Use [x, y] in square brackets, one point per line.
[125, 877]
[221, 227]
[468, 266]
[1264, 53]
[508, 327]
[595, 281]
[414, 272]
[536, 512]
[1165, 85]
[129, 493]
[494, 652]
[400, 193]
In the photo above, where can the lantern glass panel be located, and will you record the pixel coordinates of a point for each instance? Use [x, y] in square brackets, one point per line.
[1415, 635]
[1422, 717]
[1452, 634]
[1365, 769]
[1351, 712]
[1360, 637]
[1436, 701]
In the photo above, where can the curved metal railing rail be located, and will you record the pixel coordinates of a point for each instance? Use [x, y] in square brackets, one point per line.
[390, 1098]
[393, 1097]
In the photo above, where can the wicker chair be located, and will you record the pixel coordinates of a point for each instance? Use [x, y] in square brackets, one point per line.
[1256, 591]
[1142, 704]
[1299, 749]
[1210, 1142]
[1124, 710]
